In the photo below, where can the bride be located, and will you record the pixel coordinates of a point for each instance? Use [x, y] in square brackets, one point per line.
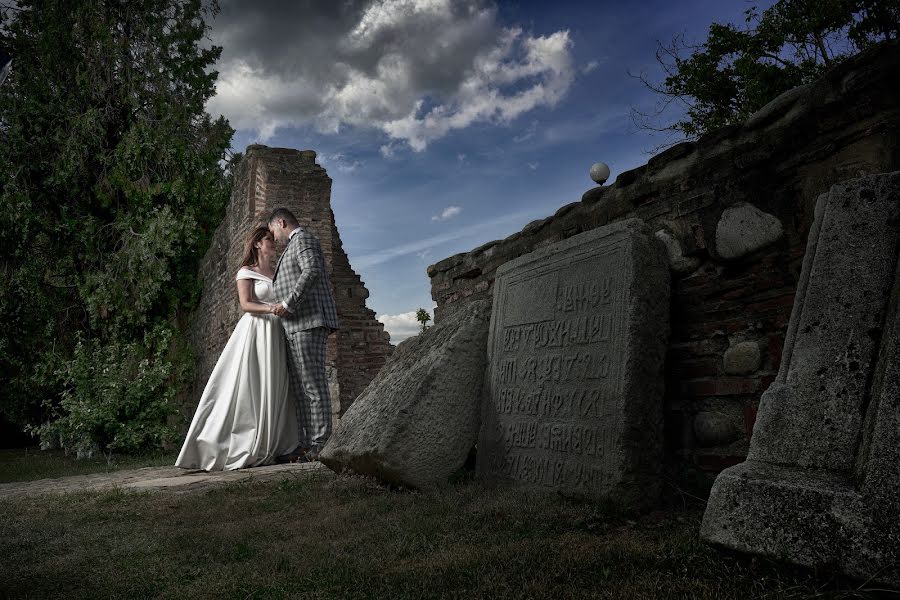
[246, 416]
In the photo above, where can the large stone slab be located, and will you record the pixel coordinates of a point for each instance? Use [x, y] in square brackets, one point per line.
[576, 352]
[417, 421]
[819, 486]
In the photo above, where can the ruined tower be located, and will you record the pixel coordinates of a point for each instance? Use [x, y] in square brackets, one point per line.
[268, 178]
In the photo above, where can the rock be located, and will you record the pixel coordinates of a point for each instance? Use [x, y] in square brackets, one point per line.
[744, 229]
[742, 359]
[417, 421]
[819, 486]
[715, 428]
[578, 339]
[678, 262]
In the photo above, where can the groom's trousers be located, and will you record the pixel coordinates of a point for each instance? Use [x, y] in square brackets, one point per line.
[309, 386]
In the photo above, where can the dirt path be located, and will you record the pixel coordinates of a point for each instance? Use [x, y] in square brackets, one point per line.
[171, 479]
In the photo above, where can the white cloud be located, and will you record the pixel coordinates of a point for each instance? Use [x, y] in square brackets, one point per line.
[402, 326]
[447, 213]
[339, 161]
[388, 150]
[527, 134]
[413, 69]
[481, 96]
[491, 227]
[592, 65]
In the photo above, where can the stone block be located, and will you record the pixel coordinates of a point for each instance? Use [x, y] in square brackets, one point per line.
[576, 351]
[678, 262]
[718, 427]
[744, 229]
[819, 487]
[742, 359]
[417, 421]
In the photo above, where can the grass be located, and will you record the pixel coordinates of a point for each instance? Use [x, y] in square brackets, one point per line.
[348, 537]
[28, 464]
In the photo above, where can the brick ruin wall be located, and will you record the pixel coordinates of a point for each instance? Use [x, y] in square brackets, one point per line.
[268, 178]
[779, 160]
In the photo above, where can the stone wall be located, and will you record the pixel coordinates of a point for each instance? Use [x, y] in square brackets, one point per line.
[268, 178]
[725, 305]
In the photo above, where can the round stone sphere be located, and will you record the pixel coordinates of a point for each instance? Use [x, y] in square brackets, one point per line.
[600, 172]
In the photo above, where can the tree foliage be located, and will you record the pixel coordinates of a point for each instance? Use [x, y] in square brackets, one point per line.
[423, 317]
[738, 70]
[111, 184]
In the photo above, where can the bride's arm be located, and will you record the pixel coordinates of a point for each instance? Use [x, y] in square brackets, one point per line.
[249, 303]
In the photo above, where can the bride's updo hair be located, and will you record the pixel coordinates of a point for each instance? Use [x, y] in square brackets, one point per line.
[251, 252]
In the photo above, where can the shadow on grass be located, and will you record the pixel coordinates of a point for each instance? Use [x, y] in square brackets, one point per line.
[322, 536]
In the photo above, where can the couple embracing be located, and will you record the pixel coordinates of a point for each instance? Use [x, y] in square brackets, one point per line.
[267, 397]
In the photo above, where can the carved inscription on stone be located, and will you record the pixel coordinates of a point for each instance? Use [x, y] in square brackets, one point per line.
[556, 377]
[575, 353]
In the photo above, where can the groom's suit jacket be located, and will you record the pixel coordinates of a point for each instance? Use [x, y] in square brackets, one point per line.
[302, 282]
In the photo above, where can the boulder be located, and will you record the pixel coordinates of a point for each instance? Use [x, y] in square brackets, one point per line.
[743, 229]
[417, 421]
[678, 262]
[717, 428]
[742, 359]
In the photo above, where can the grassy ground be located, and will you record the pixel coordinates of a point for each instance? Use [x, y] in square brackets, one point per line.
[347, 537]
[28, 464]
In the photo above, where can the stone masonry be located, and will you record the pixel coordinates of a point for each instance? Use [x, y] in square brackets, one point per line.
[268, 178]
[819, 486]
[731, 291]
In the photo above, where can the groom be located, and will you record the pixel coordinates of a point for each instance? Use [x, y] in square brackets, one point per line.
[309, 315]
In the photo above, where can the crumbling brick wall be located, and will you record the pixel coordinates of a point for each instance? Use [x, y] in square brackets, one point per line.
[268, 178]
[780, 160]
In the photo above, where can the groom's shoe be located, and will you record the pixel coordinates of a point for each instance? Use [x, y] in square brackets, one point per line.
[292, 457]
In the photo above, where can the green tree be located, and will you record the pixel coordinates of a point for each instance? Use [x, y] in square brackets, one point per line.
[111, 183]
[423, 317]
[736, 71]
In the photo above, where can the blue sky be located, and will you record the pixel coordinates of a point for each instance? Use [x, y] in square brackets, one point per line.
[446, 124]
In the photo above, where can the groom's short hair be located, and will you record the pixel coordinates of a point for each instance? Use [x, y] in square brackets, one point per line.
[283, 213]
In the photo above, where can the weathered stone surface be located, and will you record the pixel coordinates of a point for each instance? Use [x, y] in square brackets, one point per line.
[820, 483]
[576, 352]
[843, 126]
[418, 419]
[678, 262]
[716, 428]
[742, 359]
[743, 229]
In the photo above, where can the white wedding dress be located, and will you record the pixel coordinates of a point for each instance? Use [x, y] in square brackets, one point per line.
[246, 416]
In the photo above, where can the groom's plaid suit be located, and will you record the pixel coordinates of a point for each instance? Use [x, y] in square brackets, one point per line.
[302, 282]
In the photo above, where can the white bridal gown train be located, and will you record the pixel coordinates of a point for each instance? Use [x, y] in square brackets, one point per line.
[246, 416]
